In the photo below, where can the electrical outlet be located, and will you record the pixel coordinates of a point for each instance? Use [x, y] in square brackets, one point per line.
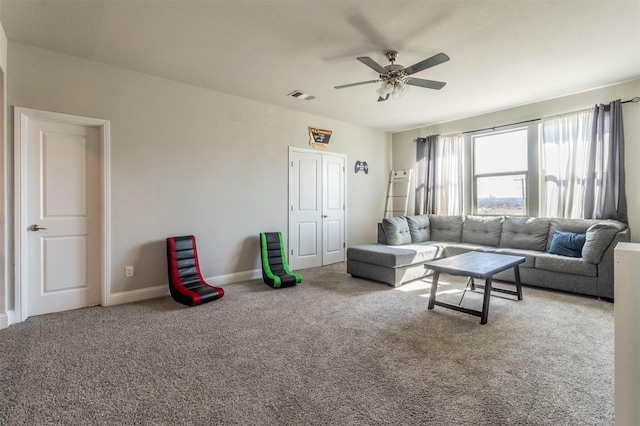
[128, 271]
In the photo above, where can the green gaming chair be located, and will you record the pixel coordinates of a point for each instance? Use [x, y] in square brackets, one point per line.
[275, 270]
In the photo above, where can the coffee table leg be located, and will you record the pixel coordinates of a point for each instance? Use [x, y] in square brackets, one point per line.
[434, 287]
[516, 272]
[485, 303]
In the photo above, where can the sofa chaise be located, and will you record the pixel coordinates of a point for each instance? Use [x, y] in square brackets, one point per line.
[405, 243]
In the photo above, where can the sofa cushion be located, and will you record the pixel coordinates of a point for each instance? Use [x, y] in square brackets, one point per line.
[529, 255]
[482, 230]
[454, 249]
[446, 228]
[567, 244]
[567, 265]
[393, 257]
[526, 233]
[419, 228]
[396, 230]
[598, 239]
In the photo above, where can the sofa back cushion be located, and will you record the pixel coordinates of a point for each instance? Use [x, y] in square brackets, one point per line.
[526, 233]
[446, 228]
[599, 237]
[396, 229]
[482, 230]
[382, 238]
[419, 228]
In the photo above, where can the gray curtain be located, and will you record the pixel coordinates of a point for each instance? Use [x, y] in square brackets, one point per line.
[605, 196]
[425, 199]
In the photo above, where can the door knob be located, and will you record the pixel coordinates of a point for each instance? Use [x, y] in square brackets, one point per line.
[37, 228]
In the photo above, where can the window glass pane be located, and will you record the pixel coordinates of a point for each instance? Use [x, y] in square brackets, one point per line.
[501, 195]
[501, 152]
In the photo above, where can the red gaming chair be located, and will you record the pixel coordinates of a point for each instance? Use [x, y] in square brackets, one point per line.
[185, 281]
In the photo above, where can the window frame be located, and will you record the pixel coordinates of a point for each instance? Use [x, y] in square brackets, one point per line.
[531, 192]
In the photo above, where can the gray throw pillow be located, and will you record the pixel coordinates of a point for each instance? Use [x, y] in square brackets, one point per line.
[397, 231]
[419, 228]
[599, 237]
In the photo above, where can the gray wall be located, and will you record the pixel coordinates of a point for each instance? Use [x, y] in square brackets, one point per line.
[404, 150]
[185, 160]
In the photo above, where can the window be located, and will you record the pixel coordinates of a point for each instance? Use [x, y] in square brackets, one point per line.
[500, 171]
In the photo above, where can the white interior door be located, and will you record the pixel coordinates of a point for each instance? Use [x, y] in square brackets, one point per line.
[305, 248]
[333, 205]
[317, 209]
[62, 241]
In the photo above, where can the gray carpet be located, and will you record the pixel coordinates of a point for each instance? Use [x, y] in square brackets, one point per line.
[331, 351]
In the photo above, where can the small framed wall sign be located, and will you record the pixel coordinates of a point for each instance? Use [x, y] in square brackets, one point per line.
[319, 138]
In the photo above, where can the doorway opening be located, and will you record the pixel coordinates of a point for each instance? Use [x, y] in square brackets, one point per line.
[57, 217]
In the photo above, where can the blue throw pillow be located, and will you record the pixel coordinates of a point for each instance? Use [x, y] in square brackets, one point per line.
[567, 244]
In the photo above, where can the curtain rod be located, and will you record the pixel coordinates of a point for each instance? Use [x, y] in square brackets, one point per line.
[635, 100]
[504, 125]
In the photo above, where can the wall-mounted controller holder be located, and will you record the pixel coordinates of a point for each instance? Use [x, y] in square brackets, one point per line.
[362, 165]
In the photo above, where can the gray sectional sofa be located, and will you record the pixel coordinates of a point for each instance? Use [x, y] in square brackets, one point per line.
[404, 243]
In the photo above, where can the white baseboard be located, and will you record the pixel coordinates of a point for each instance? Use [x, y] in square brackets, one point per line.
[137, 295]
[163, 290]
[4, 321]
[235, 277]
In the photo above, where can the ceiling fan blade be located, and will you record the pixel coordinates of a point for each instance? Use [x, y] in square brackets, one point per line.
[356, 84]
[380, 98]
[367, 29]
[372, 64]
[427, 63]
[429, 84]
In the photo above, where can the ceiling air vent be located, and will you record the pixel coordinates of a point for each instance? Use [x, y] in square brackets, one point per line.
[299, 95]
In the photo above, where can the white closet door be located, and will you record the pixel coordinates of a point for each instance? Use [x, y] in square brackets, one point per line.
[317, 201]
[333, 204]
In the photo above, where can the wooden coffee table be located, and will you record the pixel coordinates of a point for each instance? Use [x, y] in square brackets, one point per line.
[475, 264]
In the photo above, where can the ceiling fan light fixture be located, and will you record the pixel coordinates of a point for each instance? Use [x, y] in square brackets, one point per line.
[392, 88]
[399, 88]
[386, 88]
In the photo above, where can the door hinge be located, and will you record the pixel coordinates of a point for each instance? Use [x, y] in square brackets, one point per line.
[292, 207]
[292, 164]
[291, 252]
[344, 245]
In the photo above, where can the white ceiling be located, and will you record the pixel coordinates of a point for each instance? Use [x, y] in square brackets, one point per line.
[503, 53]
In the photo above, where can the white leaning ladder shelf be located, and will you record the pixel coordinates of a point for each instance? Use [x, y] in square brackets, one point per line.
[397, 193]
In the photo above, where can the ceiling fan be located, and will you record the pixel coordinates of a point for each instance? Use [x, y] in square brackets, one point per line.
[395, 78]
